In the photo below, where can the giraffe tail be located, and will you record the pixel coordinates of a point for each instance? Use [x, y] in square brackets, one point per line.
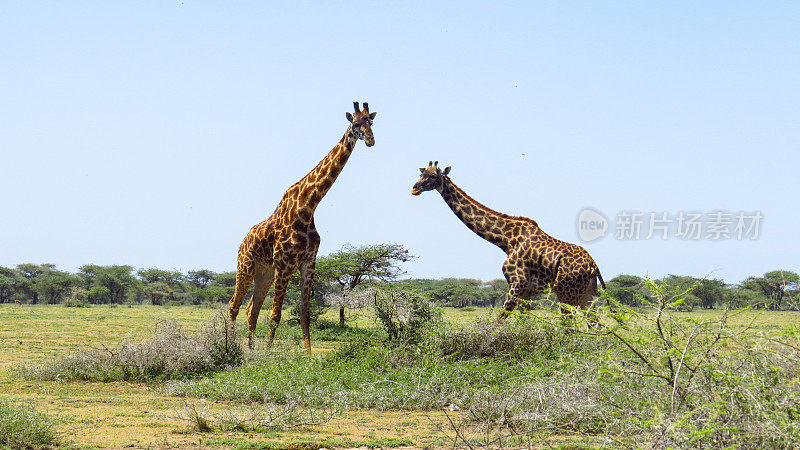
[599, 277]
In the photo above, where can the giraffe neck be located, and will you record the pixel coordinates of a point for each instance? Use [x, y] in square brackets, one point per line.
[319, 180]
[487, 223]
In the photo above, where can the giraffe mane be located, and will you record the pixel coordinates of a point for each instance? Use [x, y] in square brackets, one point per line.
[488, 210]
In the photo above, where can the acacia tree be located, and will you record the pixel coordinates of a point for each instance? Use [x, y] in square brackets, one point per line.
[118, 280]
[773, 285]
[219, 289]
[200, 278]
[496, 291]
[160, 285]
[458, 292]
[51, 285]
[351, 266]
[30, 272]
[626, 289]
[10, 284]
[711, 291]
[88, 273]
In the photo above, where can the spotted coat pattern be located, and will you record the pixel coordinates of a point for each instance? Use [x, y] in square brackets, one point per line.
[288, 240]
[535, 259]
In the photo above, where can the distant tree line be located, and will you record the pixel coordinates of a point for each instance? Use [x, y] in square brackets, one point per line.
[342, 273]
[775, 290]
[116, 284]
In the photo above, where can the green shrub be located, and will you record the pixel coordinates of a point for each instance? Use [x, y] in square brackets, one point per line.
[77, 298]
[219, 339]
[315, 310]
[694, 381]
[23, 427]
[364, 373]
[518, 338]
[404, 314]
[98, 294]
[75, 303]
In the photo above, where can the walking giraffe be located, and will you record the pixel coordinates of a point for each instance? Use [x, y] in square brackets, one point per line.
[535, 259]
[287, 240]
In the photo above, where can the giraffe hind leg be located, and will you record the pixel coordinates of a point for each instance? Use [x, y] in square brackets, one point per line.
[578, 294]
[307, 283]
[281, 281]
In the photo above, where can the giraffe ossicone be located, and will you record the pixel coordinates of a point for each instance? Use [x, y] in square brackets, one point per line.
[288, 240]
[535, 259]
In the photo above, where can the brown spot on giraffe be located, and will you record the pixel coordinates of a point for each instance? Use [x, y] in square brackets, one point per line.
[288, 240]
[535, 259]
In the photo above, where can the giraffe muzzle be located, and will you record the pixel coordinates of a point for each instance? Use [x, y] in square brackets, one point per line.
[415, 191]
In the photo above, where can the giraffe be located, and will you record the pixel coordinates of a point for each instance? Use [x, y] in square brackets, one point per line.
[535, 259]
[288, 240]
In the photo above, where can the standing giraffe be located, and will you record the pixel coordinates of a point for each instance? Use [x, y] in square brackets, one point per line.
[535, 259]
[275, 248]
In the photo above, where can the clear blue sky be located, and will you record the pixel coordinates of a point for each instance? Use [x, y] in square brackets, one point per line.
[156, 133]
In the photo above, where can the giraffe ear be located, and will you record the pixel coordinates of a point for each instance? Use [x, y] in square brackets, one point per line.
[422, 169]
[349, 116]
[372, 115]
[446, 170]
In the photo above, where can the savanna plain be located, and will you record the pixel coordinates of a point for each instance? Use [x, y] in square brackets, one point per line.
[143, 376]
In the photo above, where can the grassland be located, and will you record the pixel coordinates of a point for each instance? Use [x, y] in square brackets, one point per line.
[122, 414]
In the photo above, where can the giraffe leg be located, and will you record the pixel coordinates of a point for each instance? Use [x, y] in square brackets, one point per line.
[307, 284]
[514, 273]
[245, 272]
[585, 301]
[281, 281]
[512, 297]
[263, 279]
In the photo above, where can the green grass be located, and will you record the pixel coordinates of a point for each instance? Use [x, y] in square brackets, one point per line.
[32, 333]
[690, 379]
[537, 375]
[170, 353]
[372, 377]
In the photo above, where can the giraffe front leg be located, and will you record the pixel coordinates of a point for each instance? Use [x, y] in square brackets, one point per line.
[514, 273]
[307, 281]
[281, 281]
[263, 280]
[514, 294]
[244, 277]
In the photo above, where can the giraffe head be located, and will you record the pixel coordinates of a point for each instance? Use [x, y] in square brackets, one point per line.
[361, 124]
[432, 178]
